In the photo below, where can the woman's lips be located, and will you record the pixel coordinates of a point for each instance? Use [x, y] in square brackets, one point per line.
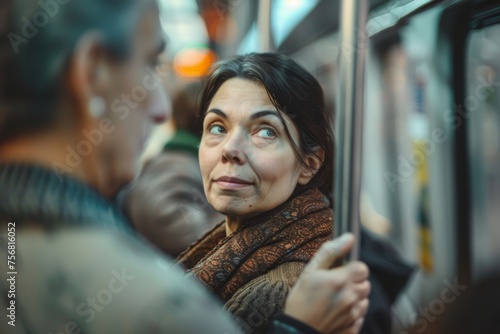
[228, 182]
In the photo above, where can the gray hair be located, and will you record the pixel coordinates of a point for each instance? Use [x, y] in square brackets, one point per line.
[37, 39]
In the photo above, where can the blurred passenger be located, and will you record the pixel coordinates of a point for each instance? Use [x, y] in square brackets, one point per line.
[371, 219]
[76, 98]
[266, 158]
[389, 274]
[475, 311]
[167, 203]
[463, 309]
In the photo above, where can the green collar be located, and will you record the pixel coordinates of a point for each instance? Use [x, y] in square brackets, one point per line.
[183, 141]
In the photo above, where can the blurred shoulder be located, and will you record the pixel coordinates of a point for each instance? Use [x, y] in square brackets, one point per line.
[171, 160]
[107, 283]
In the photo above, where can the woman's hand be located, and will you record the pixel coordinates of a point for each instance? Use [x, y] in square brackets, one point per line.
[331, 300]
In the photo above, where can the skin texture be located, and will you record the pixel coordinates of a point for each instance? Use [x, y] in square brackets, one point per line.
[244, 138]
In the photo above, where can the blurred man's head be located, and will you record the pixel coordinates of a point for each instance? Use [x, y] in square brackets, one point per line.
[78, 88]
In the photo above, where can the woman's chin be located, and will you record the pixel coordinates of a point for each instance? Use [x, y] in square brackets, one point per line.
[231, 211]
[243, 212]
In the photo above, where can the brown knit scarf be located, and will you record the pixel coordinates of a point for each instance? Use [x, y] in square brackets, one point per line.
[291, 232]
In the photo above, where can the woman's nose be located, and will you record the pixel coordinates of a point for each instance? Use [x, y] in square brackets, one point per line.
[161, 107]
[233, 149]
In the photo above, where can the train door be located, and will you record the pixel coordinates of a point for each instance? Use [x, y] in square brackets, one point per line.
[482, 117]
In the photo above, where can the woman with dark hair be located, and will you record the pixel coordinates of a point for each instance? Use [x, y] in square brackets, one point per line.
[77, 94]
[266, 158]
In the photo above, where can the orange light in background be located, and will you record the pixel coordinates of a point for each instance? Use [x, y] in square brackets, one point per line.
[193, 63]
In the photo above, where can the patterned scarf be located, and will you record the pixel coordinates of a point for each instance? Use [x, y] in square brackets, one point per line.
[291, 232]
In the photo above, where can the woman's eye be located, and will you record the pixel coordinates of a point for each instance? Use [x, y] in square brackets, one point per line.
[267, 133]
[216, 129]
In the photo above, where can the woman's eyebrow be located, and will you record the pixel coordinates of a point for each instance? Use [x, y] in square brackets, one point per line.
[217, 112]
[264, 113]
[254, 116]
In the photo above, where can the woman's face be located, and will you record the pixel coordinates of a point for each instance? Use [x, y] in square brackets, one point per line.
[247, 161]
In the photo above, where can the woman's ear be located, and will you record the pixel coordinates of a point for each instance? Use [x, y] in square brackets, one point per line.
[314, 162]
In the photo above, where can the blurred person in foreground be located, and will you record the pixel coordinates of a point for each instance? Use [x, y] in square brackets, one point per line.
[166, 204]
[463, 309]
[76, 98]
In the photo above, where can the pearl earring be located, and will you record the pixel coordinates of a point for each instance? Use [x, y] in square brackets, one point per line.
[97, 106]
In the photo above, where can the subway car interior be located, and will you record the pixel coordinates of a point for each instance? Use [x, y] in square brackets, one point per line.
[427, 138]
[412, 92]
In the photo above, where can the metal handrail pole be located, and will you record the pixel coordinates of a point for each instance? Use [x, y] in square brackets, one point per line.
[349, 122]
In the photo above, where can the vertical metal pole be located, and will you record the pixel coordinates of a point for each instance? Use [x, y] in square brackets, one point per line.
[264, 26]
[349, 122]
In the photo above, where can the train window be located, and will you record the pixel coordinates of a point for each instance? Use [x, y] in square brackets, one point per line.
[413, 144]
[395, 140]
[387, 96]
[482, 109]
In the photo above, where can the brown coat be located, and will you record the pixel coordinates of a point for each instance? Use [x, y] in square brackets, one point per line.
[167, 203]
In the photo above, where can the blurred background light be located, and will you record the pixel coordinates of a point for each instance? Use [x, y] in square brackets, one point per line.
[193, 63]
[183, 25]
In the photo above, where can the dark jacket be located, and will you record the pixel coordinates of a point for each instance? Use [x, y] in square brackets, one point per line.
[389, 274]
